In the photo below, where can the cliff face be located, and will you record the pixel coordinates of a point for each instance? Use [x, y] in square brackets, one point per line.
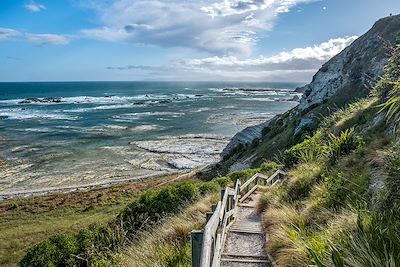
[346, 77]
[360, 63]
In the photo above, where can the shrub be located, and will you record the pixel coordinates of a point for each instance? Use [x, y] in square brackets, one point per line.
[376, 242]
[299, 189]
[388, 86]
[208, 187]
[269, 167]
[342, 144]
[59, 250]
[242, 175]
[334, 191]
[309, 150]
[153, 205]
[222, 181]
[97, 245]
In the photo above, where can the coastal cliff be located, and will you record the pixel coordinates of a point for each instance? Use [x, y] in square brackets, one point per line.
[348, 76]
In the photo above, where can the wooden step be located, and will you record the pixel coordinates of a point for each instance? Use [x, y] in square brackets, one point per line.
[253, 232]
[244, 226]
[230, 255]
[245, 260]
[244, 205]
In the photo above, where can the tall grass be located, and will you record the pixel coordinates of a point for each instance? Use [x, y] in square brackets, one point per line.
[168, 244]
[99, 245]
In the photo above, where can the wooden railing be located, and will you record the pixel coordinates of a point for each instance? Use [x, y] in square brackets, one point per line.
[207, 245]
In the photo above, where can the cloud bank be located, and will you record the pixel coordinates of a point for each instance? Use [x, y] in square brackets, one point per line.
[226, 27]
[297, 64]
[39, 39]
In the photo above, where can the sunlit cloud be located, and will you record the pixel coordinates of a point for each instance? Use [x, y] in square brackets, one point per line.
[297, 64]
[34, 7]
[227, 27]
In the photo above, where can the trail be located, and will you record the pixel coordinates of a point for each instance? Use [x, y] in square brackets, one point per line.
[244, 246]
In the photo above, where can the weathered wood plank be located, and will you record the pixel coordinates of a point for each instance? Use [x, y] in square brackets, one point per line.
[222, 218]
[249, 193]
[248, 182]
[196, 241]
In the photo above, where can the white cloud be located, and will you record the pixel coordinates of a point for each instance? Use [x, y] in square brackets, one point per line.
[34, 7]
[234, 7]
[297, 64]
[8, 33]
[47, 39]
[40, 39]
[226, 27]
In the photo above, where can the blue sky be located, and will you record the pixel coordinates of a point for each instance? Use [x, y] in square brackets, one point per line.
[258, 40]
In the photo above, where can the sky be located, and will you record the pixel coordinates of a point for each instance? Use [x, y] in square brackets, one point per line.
[186, 40]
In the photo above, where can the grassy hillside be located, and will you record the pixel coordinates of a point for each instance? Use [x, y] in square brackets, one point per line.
[359, 67]
[340, 204]
[25, 222]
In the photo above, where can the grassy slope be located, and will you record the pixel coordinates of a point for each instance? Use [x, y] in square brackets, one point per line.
[169, 243]
[340, 204]
[27, 221]
[279, 135]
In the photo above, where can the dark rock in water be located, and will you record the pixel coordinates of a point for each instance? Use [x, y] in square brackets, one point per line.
[51, 100]
[31, 100]
[166, 101]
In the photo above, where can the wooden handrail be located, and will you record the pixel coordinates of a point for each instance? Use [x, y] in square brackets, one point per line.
[214, 235]
[275, 176]
[249, 181]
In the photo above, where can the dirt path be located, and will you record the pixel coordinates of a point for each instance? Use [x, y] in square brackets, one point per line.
[244, 246]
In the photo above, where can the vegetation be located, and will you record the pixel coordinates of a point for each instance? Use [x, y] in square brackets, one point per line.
[169, 243]
[26, 221]
[340, 205]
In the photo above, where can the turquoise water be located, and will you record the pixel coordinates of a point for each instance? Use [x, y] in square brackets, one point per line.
[88, 130]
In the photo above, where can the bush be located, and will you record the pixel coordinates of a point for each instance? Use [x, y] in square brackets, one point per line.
[152, 206]
[334, 191]
[223, 181]
[309, 150]
[299, 189]
[208, 187]
[97, 245]
[269, 167]
[59, 250]
[342, 144]
[242, 175]
[376, 242]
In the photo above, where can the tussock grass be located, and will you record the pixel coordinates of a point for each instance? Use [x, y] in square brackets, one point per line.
[168, 244]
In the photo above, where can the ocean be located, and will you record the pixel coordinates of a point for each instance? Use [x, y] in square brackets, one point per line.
[59, 134]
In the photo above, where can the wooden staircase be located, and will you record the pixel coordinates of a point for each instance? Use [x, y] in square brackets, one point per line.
[233, 234]
[244, 245]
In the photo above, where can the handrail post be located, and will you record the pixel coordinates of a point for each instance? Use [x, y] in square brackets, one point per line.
[230, 205]
[222, 194]
[196, 242]
[208, 216]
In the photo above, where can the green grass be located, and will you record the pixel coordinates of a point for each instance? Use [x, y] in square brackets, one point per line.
[21, 230]
[25, 222]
